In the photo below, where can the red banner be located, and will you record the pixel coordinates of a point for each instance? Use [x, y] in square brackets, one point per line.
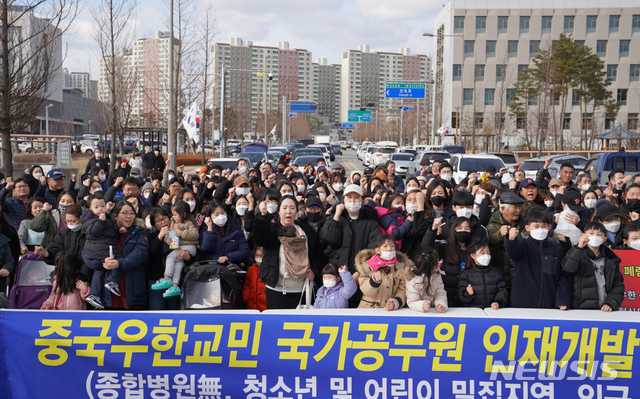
[630, 268]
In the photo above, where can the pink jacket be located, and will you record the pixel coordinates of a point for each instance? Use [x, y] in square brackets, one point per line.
[71, 301]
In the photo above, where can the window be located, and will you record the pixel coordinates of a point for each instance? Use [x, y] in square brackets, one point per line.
[579, 42]
[634, 72]
[501, 72]
[458, 24]
[491, 48]
[546, 24]
[622, 96]
[612, 72]
[468, 48]
[624, 48]
[568, 23]
[534, 47]
[489, 96]
[521, 69]
[632, 121]
[481, 24]
[479, 73]
[567, 121]
[467, 96]
[591, 23]
[601, 48]
[524, 24]
[454, 120]
[635, 23]
[511, 96]
[521, 122]
[614, 23]
[575, 98]
[533, 100]
[503, 23]
[457, 72]
[512, 48]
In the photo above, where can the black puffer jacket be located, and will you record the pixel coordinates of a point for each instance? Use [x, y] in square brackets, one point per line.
[265, 234]
[584, 295]
[488, 287]
[346, 238]
[412, 242]
[69, 242]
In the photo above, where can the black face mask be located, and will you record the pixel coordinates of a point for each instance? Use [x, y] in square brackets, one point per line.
[437, 200]
[463, 236]
[356, 182]
[633, 204]
[253, 179]
[280, 170]
[314, 216]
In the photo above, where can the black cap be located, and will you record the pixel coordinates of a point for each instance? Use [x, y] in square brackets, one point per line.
[528, 182]
[425, 161]
[313, 201]
[368, 171]
[490, 169]
[510, 198]
[312, 192]
[572, 198]
[606, 211]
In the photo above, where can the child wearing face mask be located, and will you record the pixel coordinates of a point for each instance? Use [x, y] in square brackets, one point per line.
[538, 279]
[186, 230]
[381, 275]
[253, 292]
[480, 285]
[595, 270]
[630, 237]
[425, 289]
[338, 286]
[392, 220]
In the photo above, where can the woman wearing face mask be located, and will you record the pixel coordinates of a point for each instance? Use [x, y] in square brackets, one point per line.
[291, 254]
[323, 194]
[589, 201]
[462, 206]
[336, 188]
[189, 197]
[100, 176]
[483, 204]
[415, 206]
[243, 211]
[33, 177]
[438, 198]
[612, 220]
[221, 238]
[595, 270]
[481, 285]
[454, 253]
[392, 220]
[49, 221]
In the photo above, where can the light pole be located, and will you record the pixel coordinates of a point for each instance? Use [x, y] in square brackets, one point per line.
[46, 125]
[461, 36]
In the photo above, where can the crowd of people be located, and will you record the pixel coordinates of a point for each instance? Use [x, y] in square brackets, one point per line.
[124, 238]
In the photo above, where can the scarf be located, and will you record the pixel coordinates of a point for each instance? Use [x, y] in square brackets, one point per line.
[295, 252]
[376, 262]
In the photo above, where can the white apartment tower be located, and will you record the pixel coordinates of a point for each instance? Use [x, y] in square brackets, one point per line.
[482, 45]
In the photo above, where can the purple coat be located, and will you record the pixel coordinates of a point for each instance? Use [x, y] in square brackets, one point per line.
[336, 297]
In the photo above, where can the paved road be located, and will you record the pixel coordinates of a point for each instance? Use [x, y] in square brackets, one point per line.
[350, 161]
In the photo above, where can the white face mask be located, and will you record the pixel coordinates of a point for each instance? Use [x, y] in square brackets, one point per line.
[612, 227]
[554, 192]
[590, 203]
[390, 255]
[171, 176]
[272, 208]
[243, 190]
[258, 260]
[446, 177]
[338, 186]
[74, 227]
[595, 241]
[102, 177]
[241, 209]
[243, 170]
[329, 283]
[322, 197]
[483, 260]
[585, 187]
[464, 213]
[548, 203]
[479, 198]
[353, 207]
[37, 175]
[147, 195]
[220, 220]
[192, 205]
[412, 208]
[634, 245]
[157, 153]
[300, 188]
[96, 191]
[539, 234]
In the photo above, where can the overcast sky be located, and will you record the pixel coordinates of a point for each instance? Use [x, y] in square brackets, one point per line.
[325, 27]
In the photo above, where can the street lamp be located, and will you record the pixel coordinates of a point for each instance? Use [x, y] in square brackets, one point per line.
[461, 36]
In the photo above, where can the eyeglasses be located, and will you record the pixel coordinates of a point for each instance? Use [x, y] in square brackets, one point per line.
[21, 187]
[127, 214]
[162, 219]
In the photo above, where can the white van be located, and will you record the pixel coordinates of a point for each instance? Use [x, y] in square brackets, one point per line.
[463, 163]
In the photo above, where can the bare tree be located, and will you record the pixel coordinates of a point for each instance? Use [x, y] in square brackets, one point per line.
[208, 34]
[30, 57]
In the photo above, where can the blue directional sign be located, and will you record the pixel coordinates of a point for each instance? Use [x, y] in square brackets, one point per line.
[407, 109]
[347, 125]
[293, 115]
[308, 107]
[404, 90]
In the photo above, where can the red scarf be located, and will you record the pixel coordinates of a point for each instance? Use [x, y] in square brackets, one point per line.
[377, 262]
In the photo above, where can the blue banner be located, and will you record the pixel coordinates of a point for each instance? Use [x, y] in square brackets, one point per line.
[59, 354]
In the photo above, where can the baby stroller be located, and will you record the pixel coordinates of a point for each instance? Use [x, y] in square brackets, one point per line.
[33, 283]
[210, 285]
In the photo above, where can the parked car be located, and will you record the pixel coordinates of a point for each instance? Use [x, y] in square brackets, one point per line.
[414, 165]
[454, 149]
[380, 155]
[254, 157]
[532, 165]
[509, 159]
[606, 162]
[317, 152]
[402, 161]
[336, 148]
[255, 147]
[366, 156]
[325, 152]
[463, 163]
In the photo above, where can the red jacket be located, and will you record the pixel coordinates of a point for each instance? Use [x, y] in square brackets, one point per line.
[253, 294]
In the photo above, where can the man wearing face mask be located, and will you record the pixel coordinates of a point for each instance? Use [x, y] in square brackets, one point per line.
[631, 206]
[462, 205]
[350, 229]
[158, 162]
[97, 162]
[610, 217]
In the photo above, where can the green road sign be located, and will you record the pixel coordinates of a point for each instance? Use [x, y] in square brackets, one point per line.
[359, 116]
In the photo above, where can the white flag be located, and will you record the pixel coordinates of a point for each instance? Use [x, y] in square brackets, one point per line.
[191, 123]
[273, 132]
[445, 130]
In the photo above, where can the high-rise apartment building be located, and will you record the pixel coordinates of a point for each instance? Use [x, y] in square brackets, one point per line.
[145, 78]
[82, 81]
[326, 89]
[482, 46]
[257, 78]
[365, 73]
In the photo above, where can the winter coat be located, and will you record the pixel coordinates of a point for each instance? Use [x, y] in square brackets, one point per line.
[233, 244]
[543, 183]
[47, 222]
[488, 287]
[417, 291]
[114, 194]
[579, 265]
[48, 195]
[346, 238]
[6, 258]
[100, 234]
[70, 301]
[132, 259]
[253, 291]
[499, 258]
[159, 163]
[189, 230]
[538, 280]
[13, 209]
[148, 160]
[393, 223]
[398, 183]
[69, 242]
[337, 297]
[393, 284]
[265, 234]
[14, 245]
[102, 163]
